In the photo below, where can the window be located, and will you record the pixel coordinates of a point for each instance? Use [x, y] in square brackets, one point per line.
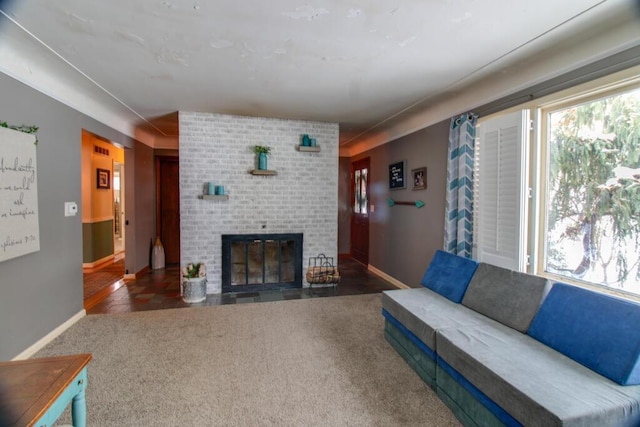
[360, 191]
[574, 207]
[592, 193]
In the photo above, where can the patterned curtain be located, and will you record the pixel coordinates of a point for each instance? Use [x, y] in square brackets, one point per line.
[458, 227]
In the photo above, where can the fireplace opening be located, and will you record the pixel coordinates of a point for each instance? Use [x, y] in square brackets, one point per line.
[258, 262]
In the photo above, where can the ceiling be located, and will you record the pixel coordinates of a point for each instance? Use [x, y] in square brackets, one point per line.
[366, 65]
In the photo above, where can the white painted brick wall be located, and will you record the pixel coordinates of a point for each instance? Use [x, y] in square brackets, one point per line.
[302, 198]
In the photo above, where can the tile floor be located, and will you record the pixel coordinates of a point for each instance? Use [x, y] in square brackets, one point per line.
[160, 289]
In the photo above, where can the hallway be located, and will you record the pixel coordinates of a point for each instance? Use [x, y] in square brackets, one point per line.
[160, 289]
[102, 281]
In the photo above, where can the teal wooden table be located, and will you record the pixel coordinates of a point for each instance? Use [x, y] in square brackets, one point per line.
[37, 391]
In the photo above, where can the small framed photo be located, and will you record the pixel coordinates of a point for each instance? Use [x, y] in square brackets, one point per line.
[103, 179]
[419, 177]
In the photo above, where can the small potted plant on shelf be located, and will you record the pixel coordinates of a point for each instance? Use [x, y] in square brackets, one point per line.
[193, 287]
[262, 151]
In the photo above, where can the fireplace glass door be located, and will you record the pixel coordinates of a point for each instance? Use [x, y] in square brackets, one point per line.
[261, 262]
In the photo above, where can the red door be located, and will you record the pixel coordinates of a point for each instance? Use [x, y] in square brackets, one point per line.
[360, 210]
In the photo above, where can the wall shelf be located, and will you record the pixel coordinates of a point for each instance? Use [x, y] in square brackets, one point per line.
[262, 172]
[223, 197]
[309, 149]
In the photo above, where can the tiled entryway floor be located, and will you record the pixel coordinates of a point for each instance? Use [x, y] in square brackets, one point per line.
[160, 289]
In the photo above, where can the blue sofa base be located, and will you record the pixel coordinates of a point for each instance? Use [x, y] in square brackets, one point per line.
[450, 386]
[416, 358]
[474, 403]
[463, 404]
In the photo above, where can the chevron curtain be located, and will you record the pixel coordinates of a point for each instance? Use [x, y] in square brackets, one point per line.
[458, 228]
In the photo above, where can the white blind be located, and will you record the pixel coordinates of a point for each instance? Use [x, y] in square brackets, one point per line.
[502, 191]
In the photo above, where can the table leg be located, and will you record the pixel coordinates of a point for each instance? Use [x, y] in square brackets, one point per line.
[79, 410]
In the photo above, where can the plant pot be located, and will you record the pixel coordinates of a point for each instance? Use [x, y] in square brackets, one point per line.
[262, 161]
[194, 290]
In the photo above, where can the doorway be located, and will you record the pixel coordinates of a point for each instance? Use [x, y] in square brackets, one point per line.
[118, 209]
[360, 177]
[103, 234]
[168, 207]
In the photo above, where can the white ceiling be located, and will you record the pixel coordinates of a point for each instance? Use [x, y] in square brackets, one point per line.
[367, 65]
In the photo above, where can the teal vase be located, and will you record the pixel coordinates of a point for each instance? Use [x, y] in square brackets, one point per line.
[262, 161]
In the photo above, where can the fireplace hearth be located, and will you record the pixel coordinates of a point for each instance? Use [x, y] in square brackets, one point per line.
[258, 262]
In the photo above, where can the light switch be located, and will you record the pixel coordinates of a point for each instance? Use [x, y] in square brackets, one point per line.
[373, 208]
[70, 208]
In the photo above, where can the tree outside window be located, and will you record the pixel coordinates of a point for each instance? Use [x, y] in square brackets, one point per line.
[593, 204]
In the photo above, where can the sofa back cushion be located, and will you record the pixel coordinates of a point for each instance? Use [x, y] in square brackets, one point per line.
[601, 332]
[510, 297]
[449, 275]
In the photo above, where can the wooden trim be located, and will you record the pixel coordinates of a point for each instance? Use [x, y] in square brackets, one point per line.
[158, 200]
[99, 219]
[262, 172]
[223, 197]
[395, 282]
[92, 301]
[98, 263]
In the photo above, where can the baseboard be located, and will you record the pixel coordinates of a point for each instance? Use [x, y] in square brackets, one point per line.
[33, 349]
[98, 262]
[133, 276]
[395, 282]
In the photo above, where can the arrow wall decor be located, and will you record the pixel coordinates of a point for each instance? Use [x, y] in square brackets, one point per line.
[418, 203]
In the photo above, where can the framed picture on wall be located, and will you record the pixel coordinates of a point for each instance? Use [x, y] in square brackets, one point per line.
[419, 178]
[396, 176]
[103, 179]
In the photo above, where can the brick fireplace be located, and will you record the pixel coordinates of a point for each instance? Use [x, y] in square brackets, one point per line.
[258, 262]
[301, 199]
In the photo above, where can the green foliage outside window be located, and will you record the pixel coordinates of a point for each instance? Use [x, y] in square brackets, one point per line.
[593, 228]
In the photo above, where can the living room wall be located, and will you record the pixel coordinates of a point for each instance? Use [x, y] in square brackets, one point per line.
[43, 290]
[403, 239]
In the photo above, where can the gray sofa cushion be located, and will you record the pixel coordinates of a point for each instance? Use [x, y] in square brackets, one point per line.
[423, 311]
[510, 297]
[537, 385]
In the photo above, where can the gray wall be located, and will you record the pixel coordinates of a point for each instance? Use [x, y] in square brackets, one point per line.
[43, 289]
[403, 239]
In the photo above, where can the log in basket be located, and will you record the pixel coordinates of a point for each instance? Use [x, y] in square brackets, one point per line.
[322, 271]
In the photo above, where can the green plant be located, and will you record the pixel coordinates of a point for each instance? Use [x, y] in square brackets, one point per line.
[262, 149]
[193, 270]
[22, 128]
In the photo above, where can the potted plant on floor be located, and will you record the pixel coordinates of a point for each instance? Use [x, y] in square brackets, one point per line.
[193, 287]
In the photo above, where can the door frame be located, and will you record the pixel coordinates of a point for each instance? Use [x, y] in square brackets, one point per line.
[121, 176]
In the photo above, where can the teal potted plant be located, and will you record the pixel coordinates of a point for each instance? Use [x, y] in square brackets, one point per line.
[262, 151]
[193, 287]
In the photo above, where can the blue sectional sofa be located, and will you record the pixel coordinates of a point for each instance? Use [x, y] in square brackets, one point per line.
[507, 348]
